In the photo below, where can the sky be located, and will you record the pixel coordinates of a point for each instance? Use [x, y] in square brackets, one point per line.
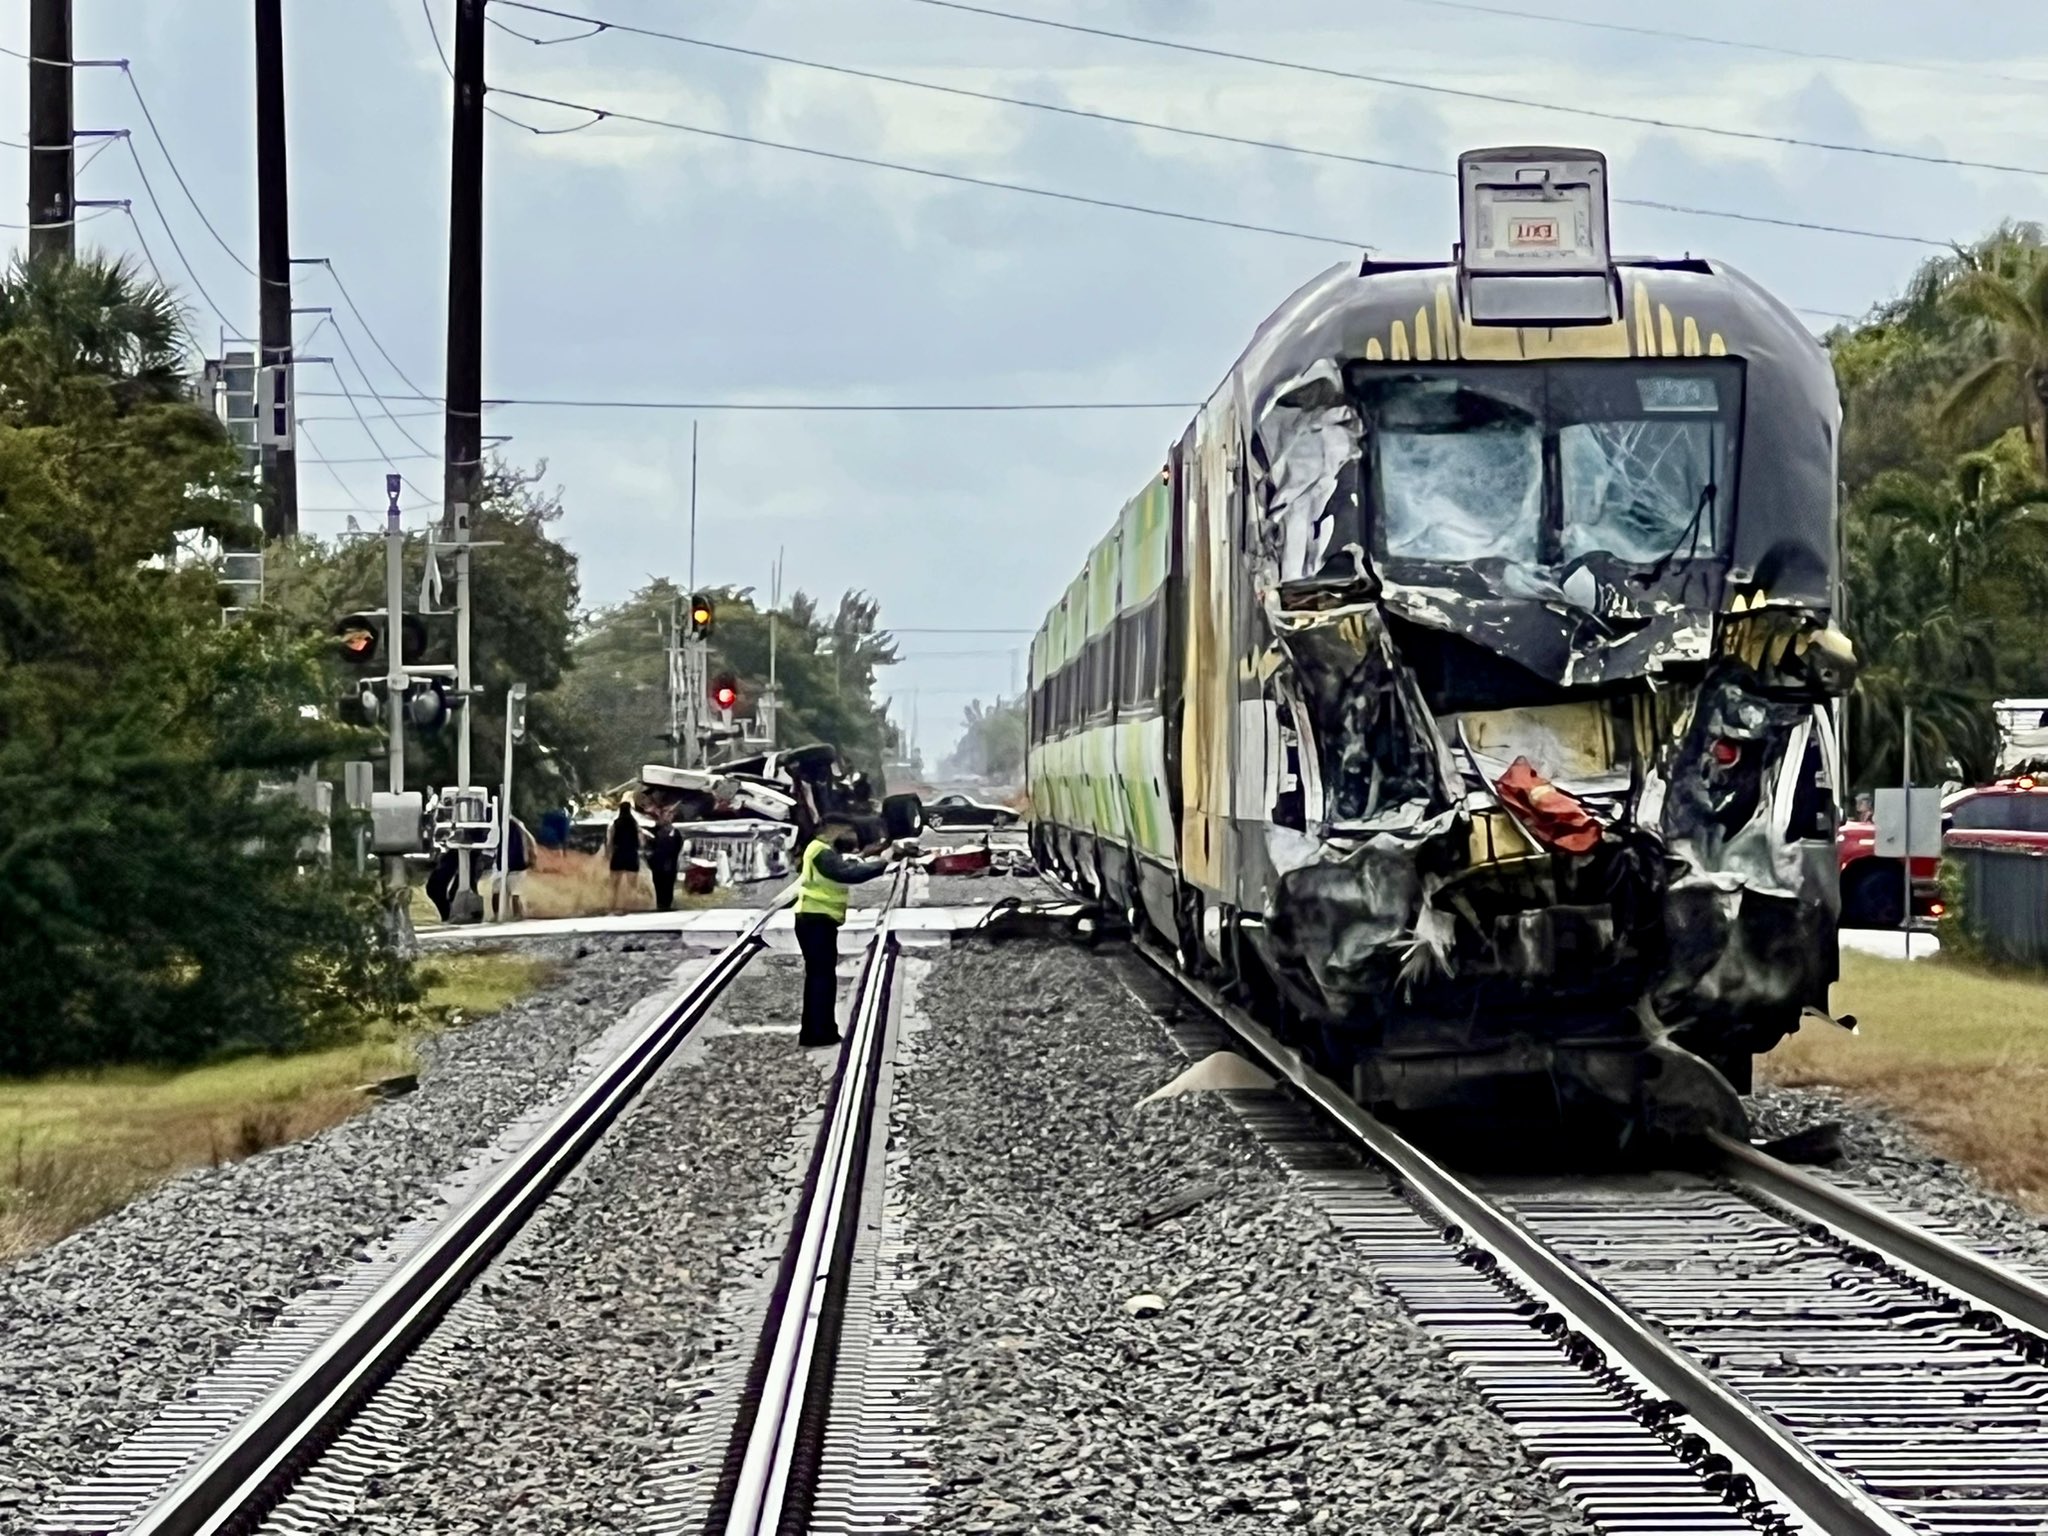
[629, 262]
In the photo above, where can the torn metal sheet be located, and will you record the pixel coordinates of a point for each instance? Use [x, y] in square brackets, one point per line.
[1556, 638]
[1493, 658]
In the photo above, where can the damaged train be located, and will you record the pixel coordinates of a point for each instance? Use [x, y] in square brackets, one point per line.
[1462, 688]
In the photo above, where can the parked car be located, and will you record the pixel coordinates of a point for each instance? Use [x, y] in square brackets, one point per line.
[2012, 812]
[959, 811]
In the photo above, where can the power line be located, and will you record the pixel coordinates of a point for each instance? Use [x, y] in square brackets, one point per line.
[382, 404]
[816, 405]
[333, 394]
[427, 10]
[83, 218]
[178, 249]
[342, 380]
[601, 114]
[605, 25]
[389, 458]
[349, 299]
[1462, 93]
[332, 474]
[171, 160]
[1776, 49]
[211, 228]
[157, 272]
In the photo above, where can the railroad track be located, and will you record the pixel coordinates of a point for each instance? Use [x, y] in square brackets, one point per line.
[1747, 1348]
[190, 1473]
[776, 1458]
[244, 1457]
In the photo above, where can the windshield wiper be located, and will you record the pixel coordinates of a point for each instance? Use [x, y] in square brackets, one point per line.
[1688, 541]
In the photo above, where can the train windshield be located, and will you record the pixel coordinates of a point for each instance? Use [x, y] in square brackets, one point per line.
[1548, 465]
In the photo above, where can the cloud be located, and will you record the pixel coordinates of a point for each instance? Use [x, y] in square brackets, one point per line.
[638, 263]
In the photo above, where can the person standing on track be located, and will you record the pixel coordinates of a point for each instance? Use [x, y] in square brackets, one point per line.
[517, 858]
[622, 853]
[665, 857]
[828, 868]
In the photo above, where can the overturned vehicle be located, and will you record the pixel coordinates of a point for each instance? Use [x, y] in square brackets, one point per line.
[1461, 688]
[785, 791]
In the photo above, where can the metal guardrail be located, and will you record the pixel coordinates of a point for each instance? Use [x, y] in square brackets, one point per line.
[2004, 895]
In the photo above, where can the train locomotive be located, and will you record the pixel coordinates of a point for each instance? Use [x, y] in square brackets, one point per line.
[1462, 687]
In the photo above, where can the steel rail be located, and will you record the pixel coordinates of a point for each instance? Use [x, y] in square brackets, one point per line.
[769, 1477]
[1781, 1467]
[245, 1475]
[2022, 1303]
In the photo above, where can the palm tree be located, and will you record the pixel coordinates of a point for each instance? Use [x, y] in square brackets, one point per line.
[102, 316]
[1966, 520]
[2008, 291]
[1918, 650]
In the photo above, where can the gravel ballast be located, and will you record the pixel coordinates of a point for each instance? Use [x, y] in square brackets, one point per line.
[101, 1329]
[591, 1332]
[1882, 1157]
[1278, 1387]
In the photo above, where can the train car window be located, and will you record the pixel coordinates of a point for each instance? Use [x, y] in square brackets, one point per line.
[1546, 465]
[1633, 489]
[1461, 472]
[1645, 458]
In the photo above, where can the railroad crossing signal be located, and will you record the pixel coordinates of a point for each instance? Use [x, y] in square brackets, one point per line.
[363, 638]
[700, 615]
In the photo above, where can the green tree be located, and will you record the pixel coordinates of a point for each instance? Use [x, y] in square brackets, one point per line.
[152, 901]
[991, 741]
[825, 668]
[1899, 369]
[95, 318]
[2009, 294]
[524, 591]
[1917, 650]
[1969, 519]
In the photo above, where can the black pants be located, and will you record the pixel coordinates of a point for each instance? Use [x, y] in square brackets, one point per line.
[441, 884]
[664, 886]
[818, 937]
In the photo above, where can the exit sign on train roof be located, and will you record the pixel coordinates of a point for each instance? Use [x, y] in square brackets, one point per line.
[1533, 211]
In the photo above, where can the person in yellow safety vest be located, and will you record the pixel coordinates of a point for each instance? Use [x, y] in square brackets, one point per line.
[828, 868]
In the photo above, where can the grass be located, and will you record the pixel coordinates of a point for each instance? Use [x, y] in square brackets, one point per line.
[74, 1146]
[565, 884]
[1960, 1054]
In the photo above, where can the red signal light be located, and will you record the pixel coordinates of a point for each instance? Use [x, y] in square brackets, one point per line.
[725, 698]
[1726, 753]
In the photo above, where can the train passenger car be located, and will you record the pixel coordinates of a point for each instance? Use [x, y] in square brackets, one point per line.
[1460, 686]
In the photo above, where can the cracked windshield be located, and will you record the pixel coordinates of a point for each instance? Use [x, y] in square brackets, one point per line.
[1638, 464]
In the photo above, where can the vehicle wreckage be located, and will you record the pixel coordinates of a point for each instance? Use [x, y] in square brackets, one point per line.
[1461, 688]
[744, 816]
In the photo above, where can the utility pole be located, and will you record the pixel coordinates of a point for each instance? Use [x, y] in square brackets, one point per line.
[465, 421]
[693, 643]
[397, 884]
[52, 186]
[771, 701]
[515, 731]
[274, 278]
[673, 655]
